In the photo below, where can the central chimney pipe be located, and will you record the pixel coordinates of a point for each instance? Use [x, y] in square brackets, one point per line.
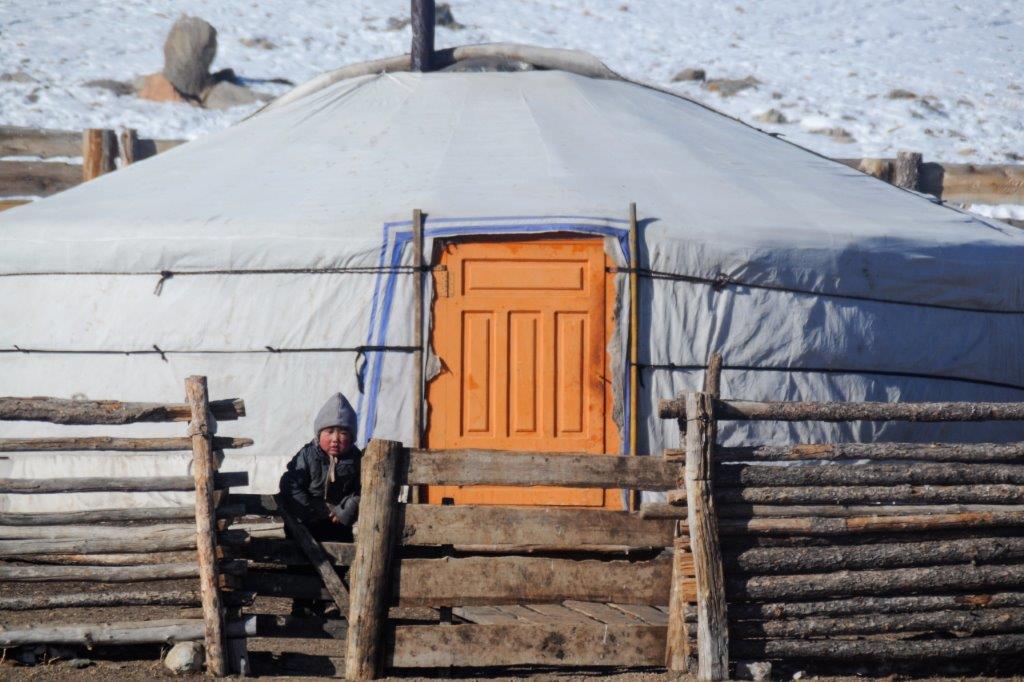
[422, 34]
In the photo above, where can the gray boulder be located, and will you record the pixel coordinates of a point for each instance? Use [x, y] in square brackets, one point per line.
[443, 17]
[900, 93]
[16, 77]
[772, 116]
[727, 87]
[225, 94]
[185, 657]
[119, 88]
[190, 48]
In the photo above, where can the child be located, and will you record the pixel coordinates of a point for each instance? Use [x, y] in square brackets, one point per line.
[321, 485]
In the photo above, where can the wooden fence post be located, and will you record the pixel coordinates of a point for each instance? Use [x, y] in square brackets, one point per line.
[906, 171]
[417, 354]
[203, 468]
[129, 140]
[370, 575]
[712, 626]
[99, 152]
[677, 638]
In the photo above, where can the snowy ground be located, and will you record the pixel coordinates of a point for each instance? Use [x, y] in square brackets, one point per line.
[828, 66]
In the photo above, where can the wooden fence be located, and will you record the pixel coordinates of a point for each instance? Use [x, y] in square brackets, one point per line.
[73, 547]
[957, 183]
[747, 560]
[101, 150]
[841, 560]
[464, 560]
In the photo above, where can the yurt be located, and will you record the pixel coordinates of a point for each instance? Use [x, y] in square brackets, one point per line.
[278, 258]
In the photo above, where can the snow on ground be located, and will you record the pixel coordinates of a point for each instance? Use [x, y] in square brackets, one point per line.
[999, 211]
[829, 67]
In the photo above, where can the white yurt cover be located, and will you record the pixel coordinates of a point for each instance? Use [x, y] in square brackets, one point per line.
[273, 257]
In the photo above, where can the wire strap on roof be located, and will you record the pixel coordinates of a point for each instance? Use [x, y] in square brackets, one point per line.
[163, 353]
[721, 281]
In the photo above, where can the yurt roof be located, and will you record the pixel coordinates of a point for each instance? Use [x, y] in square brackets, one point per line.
[309, 183]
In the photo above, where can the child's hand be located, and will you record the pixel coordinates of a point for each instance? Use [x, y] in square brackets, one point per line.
[334, 518]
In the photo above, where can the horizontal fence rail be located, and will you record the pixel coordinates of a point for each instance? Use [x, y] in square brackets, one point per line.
[675, 408]
[110, 444]
[63, 411]
[24, 486]
[926, 452]
[493, 467]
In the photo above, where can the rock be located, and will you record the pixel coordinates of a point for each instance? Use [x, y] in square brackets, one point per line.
[225, 94]
[396, 24]
[772, 116]
[79, 663]
[900, 93]
[119, 88]
[443, 17]
[157, 88]
[727, 87]
[689, 75]
[932, 106]
[259, 42]
[185, 657]
[188, 52]
[758, 671]
[841, 135]
[16, 77]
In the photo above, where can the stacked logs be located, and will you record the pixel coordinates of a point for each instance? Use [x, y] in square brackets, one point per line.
[918, 556]
[864, 551]
[106, 558]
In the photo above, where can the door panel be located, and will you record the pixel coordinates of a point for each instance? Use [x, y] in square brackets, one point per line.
[521, 335]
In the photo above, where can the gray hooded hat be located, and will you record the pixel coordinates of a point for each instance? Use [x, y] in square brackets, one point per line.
[337, 411]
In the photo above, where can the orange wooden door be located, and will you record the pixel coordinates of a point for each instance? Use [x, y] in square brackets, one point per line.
[520, 329]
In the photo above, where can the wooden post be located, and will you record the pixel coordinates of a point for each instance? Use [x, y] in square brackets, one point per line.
[417, 292]
[318, 557]
[422, 35]
[129, 140]
[677, 639]
[712, 627]
[370, 573]
[906, 172]
[99, 152]
[634, 342]
[677, 651]
[713, 376]
[203, 468]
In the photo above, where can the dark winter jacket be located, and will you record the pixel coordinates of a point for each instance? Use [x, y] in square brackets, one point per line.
[307, 493]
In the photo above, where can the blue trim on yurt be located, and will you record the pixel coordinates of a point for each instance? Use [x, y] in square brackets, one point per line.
[399, 233]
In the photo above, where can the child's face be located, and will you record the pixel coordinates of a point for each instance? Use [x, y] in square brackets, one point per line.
[334, 440]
